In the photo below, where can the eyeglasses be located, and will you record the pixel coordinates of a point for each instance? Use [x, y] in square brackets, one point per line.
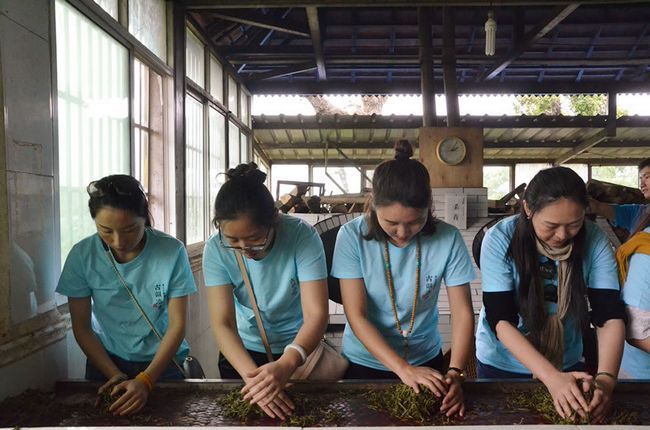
[121, 185]
[252, 248]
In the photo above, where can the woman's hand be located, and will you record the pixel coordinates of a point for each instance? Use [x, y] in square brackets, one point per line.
[601, 402]
[134, 396]
[266, 382]
[568, 395]
[414, 376]
[281, 406]
[110, 383]
[454, 402]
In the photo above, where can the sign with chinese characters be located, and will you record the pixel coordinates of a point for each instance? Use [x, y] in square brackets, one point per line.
[456, 210]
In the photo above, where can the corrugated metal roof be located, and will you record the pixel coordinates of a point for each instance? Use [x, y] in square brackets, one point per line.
[504, 137]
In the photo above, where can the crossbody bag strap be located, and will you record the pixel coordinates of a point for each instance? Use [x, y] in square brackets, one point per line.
[137, 304]
[251, 296]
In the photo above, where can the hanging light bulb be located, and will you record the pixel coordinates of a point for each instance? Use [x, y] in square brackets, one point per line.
[490, 34]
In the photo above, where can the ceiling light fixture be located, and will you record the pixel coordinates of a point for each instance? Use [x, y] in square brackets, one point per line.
[490, 34]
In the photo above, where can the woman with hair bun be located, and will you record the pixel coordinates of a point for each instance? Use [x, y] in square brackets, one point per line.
[285, 262]
[391, 264]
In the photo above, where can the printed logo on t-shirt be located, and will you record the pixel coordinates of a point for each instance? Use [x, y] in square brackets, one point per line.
[430, 283]
[293, 287]
[158, 295]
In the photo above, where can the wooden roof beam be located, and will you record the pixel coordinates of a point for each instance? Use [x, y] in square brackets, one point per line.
[449, 67]
[413, 86]
[280, 72]
[532, 37]
[369, 122]
[223, 4]
[389, 144]
[582, 147]
[316, 39]
[257, 19]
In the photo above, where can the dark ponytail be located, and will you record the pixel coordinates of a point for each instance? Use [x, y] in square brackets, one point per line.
[244, 193]
[548, 186]
[401, 180]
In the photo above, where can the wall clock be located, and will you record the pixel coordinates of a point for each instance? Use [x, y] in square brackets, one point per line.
[451, 150]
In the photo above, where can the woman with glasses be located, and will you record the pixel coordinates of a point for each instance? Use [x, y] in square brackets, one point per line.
[391, 264]
[547, 274]
[105, 274]
[285, 262]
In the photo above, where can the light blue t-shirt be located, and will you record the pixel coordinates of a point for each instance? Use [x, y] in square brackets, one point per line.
[636, 293]
[628, 216]
[444, 256]
[160, 272]
[296, 256]
[499, 274]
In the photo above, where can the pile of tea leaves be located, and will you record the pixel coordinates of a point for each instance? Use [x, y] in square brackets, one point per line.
[401, 402]
[308, 412]
[541, 401]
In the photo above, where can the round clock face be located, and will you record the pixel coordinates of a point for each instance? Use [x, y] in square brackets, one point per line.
[451, 150]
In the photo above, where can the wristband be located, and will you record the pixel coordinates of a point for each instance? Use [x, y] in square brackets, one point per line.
[300, 349]
[145, 379]
[461, 372]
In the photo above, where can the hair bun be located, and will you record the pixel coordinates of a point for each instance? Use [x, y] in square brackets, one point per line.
[246, 172]
[403, 150]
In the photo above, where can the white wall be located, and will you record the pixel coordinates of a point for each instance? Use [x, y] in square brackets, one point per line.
[28, 182]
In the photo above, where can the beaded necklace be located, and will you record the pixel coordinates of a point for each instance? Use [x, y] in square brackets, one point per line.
[391, 290]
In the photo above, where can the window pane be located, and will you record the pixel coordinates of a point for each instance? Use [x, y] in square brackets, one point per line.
[497, 181]
[621, 175]
[287, 172]
[243, 139]
[93, 97]
[233, 145]
[580, 169]
[194, 213]
[194, 59]
[147, 22]
[347, 178]
[109, 6]
[369, 173]
[216, 79]
[232, 96]
[243, 107]
[141, 122]
[217, 154]
[525, 172]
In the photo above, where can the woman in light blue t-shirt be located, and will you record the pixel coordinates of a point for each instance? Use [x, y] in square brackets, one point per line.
[542, 270]
[119, 344]
[391, 264]
[634, 261]
[285, 262]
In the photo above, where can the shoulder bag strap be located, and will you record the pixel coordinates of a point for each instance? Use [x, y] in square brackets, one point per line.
[137, 304]
[251, 296]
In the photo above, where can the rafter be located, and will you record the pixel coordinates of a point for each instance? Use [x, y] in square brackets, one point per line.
[282, 71]
[532, 37]
[412, 86]
[257, 19]
[222, 4]
[582, 147]
[316, 38]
